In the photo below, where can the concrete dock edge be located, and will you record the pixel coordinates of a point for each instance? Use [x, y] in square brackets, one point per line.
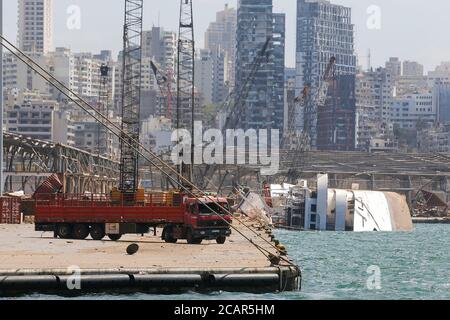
[254, 280]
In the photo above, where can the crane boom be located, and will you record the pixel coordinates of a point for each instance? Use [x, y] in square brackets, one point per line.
[236, 110]
[131, 97]
[235, 106]
[318, 99]
[298, 143]
[323, 89]
[164, 82]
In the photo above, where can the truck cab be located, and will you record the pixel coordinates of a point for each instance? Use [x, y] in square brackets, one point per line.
[204, 219]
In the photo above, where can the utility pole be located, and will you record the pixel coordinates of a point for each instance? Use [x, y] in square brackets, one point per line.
[1, 101]
[185, 80]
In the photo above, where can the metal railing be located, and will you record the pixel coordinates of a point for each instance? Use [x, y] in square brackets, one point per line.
[106, 200]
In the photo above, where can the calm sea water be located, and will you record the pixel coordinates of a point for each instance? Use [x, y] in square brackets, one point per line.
[413, 265]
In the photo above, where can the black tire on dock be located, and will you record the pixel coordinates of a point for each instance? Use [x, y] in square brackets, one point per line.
[167, 235]
[114, 237]
[97, 232]
[221, 240]
[64, 230]
[190, 238]
[80, 231]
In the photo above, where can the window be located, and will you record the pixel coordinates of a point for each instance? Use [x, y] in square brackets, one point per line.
[205, 210]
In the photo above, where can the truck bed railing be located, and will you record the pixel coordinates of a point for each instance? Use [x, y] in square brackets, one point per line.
[105, 200]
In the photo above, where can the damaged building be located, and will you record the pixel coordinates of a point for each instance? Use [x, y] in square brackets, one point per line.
[325, 30]
[336, 119]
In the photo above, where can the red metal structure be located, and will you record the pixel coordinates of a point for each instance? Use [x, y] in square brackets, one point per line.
[9, 210]
[78, 216]
[51, 185]
[268, 195]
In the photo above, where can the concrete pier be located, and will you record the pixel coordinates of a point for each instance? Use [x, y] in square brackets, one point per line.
[36, 262]
[431, 220]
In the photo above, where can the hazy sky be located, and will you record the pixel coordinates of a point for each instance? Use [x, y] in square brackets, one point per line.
[410, 29]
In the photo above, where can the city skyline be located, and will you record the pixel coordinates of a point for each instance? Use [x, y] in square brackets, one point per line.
[383, 43]
[325, 69]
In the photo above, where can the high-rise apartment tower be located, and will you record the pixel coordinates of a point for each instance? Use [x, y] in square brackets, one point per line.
[264, 105]
[324, 30]
[35, 22]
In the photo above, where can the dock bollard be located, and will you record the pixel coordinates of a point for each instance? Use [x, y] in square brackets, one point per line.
[274, 260]
[282, 249]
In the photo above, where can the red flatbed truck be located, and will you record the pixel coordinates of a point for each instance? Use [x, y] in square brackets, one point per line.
[78, 216]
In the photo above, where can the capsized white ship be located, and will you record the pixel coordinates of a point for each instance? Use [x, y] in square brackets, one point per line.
[327, 209]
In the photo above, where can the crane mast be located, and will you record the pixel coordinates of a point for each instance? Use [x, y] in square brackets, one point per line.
[131, 98]
[185, 80]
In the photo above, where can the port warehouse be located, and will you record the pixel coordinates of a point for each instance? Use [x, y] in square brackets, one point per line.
[82, 172]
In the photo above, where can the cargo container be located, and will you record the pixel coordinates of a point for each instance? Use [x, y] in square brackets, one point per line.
[10, 210]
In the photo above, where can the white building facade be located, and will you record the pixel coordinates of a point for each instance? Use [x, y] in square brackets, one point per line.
[37, 116]
[35, 25]
[374, 95]
[414, 110]
[412, 69]
[220, 38]
[204, 75]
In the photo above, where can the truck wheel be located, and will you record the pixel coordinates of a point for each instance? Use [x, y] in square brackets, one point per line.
[114, 237]
[64, 231]
[221, 240]
[191, 240]
[167, 235]
[97, 232]
[80, 231]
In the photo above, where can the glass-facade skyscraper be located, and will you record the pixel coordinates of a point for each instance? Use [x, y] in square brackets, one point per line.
[256, 22]
[325, 30]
